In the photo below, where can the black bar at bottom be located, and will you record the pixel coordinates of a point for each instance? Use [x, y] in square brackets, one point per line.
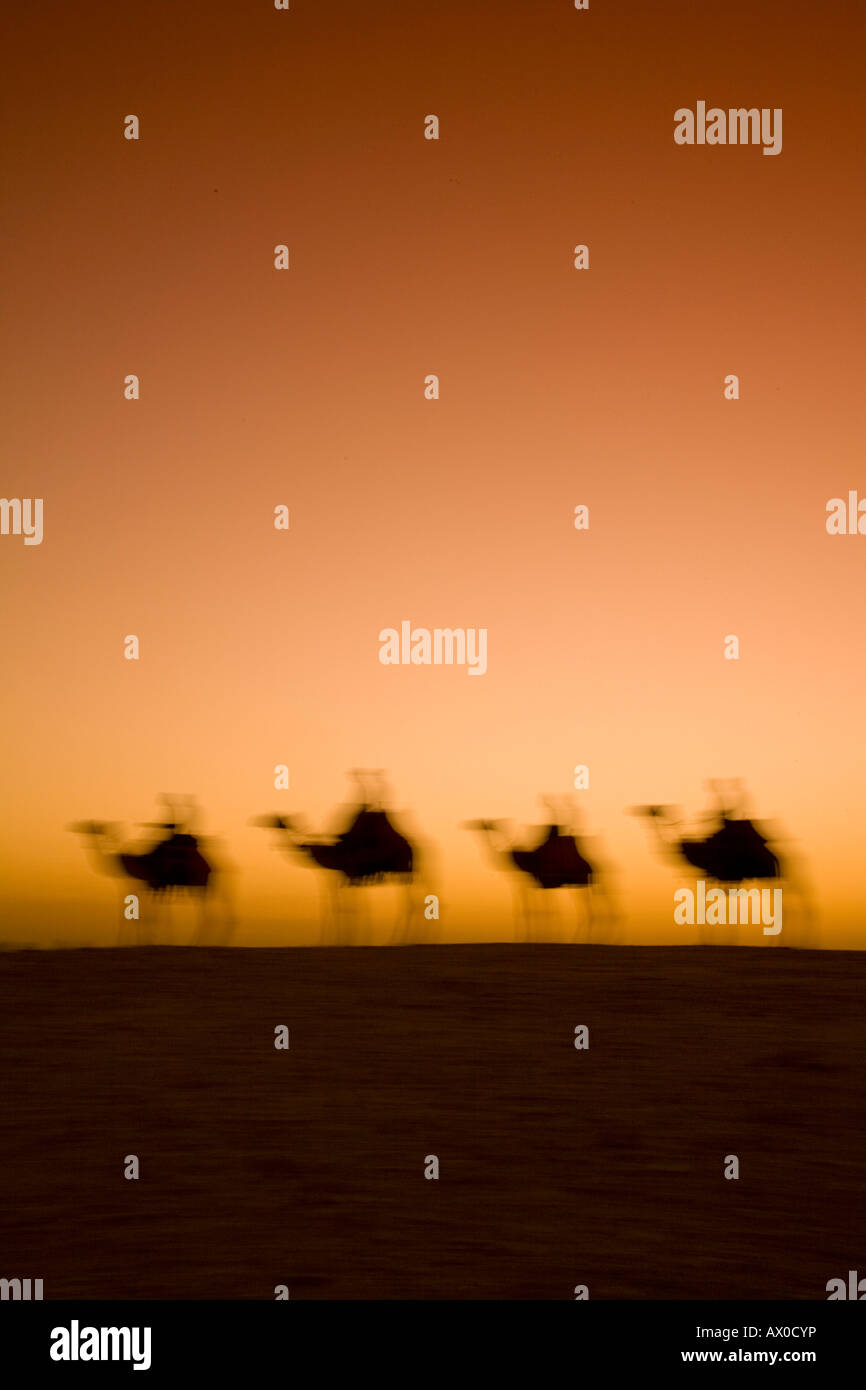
[311, 1339]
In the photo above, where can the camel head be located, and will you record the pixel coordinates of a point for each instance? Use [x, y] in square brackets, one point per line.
[93, 827]
[273, 822]
[495, 834]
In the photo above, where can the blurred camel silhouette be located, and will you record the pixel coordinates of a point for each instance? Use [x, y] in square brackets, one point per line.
[555, 861]
[736, 852]
[173, 864]
[368, 851]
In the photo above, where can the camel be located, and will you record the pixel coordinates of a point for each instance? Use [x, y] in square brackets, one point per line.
[368, 851]
[555, 861]
[172, 865]
[735, 853]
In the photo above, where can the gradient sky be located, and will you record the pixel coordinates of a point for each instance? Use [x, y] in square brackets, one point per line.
[306, 387]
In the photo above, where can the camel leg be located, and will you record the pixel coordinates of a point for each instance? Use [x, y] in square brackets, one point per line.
[364, 915]
[778, 938]
[554, 922]
[166, 922]
[807, 918]
[611, 907]
[794, 884]
[345, 918]
[532, 906]
[331, 918]
[368, 913]
[534, 910]
[705, 933]
[328, 891]
[521, 911]
[228, 909]
[147, 907]
[367, 917]
[217, 918]
[542, 917]
[124, 933]
[539, 914]
[204, 918]
[355, 917]
[336, 909]
[427, 930]
[537, 911]
[583, 909]
[411, 908]
[599, 912]
[402, 918]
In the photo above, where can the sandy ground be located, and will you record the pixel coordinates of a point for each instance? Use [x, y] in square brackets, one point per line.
[558, 1167]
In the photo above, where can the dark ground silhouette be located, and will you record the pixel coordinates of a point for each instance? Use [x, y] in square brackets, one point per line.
[558, 1166]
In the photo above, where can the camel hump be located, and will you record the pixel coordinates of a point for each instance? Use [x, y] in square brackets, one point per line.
[565, 864]
[179, 863]
[371, 828]
[744, 835]
[556, 862]
[753, 833]
[372, 847]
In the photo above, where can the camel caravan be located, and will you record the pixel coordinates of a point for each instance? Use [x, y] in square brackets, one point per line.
[376, 847]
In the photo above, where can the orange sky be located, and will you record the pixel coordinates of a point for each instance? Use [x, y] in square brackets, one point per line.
[306, 387]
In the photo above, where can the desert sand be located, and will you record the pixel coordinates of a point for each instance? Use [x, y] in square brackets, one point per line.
[558, 1167]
